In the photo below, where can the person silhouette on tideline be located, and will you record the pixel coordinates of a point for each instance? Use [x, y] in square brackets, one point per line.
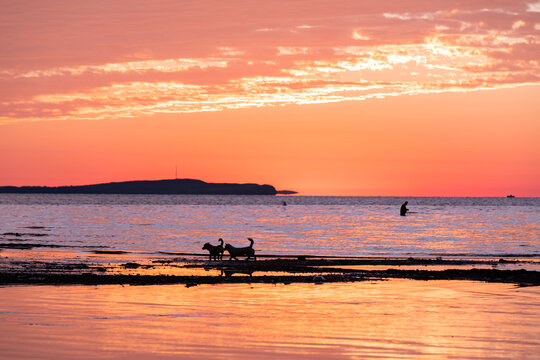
[403, 210]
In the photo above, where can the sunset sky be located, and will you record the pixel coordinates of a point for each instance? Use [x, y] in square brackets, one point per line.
[323, 97]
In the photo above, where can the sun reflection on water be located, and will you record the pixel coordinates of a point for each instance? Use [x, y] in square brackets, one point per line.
[397, 318]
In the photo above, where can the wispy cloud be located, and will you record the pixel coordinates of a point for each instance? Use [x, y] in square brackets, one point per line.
[348, 54]
[292, 50]
[533, 7]
[358, 35]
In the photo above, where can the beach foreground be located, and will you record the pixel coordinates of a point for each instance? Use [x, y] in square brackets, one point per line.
[371, 319]
[277, 307]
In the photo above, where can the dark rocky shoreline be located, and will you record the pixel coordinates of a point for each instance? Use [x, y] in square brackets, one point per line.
[273, 271]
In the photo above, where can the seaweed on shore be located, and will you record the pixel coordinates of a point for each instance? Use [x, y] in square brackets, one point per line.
[266, 271]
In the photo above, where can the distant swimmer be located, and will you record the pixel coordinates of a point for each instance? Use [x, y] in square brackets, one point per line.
[284, 203]
[403, 210]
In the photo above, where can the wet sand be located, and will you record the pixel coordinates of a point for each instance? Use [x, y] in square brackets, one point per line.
[118, 267]
[295, 307]
[392, 319]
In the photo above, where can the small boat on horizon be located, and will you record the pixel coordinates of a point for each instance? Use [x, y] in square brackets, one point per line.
[510, 196]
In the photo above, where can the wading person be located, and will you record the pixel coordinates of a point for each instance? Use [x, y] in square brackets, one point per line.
[403, 210]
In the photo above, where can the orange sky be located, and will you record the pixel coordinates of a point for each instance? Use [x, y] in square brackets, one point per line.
[322, 97]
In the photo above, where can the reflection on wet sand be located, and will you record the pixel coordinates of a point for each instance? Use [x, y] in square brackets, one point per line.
[390, 319]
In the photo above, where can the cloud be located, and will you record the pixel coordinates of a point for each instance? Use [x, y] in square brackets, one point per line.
[265, 30]
[292, 50]
[533, 7]
[518, 24]
[413, 16]
[109, 66]
[357, 35]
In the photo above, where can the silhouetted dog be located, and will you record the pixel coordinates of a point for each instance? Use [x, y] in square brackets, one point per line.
[243, 251]
[216, 251]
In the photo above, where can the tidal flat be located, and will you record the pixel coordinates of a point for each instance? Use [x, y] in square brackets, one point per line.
[109, 305]
[397, 318]
[50, 267]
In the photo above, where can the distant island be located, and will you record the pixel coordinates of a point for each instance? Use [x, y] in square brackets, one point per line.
[173, 186]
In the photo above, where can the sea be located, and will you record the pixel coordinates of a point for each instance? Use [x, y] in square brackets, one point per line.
[280, 225]
[372, 319]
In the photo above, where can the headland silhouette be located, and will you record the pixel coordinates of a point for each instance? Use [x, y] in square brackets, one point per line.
[173, 186]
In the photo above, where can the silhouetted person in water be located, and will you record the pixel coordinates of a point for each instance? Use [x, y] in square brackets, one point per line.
[403, 210]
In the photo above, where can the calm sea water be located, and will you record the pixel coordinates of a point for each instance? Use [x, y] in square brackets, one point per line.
[386, 319]
[355, 226]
